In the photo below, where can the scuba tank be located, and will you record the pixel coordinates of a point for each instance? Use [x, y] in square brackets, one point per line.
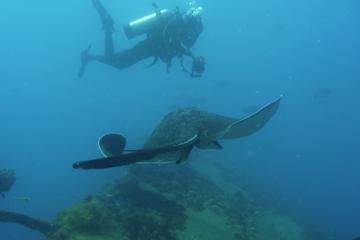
[147, 24]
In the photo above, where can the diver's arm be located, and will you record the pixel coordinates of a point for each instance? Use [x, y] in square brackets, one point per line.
[198, 63]
[187, 52]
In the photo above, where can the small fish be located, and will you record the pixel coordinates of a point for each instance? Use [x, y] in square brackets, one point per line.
[23, 198]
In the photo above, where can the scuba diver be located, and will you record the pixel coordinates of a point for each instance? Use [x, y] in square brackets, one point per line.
[169, 34]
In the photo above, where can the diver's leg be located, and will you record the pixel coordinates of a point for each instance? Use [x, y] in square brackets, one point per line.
[126, 58]
[123, 59]
[106, 19]
[108, 27]
[109, 45]
[86, 58]
[98, 58]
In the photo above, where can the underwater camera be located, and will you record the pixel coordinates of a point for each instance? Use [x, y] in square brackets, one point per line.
[198, 66]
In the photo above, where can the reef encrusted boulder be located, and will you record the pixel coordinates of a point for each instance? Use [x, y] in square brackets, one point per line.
[171, 202]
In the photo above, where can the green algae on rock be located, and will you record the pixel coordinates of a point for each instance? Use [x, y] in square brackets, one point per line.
[175, 203]
[141, 206]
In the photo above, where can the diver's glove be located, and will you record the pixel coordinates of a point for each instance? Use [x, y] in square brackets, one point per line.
[198, 66]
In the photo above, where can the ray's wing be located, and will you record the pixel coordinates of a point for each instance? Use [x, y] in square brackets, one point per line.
[252, 123]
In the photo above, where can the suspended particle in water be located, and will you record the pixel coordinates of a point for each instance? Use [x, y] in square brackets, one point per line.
[249, 153]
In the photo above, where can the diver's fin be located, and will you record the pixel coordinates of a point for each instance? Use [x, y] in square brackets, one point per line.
[252, 123]
[112, 145]
[84, 60]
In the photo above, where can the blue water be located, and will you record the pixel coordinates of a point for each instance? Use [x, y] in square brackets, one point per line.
[307, 157]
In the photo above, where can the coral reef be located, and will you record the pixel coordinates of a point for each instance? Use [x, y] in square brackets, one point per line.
[124, 210]
[182, 183]
[91, 217]
[171, 202]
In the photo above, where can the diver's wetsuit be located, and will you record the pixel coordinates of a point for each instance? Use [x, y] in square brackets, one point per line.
[174, 40]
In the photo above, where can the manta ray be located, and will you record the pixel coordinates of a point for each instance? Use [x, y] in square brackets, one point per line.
[177, 135]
